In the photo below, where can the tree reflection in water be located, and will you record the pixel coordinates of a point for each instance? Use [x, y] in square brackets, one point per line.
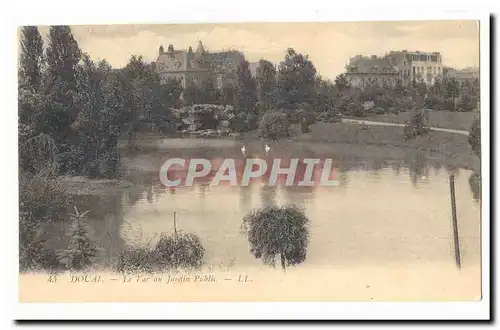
[475, 186]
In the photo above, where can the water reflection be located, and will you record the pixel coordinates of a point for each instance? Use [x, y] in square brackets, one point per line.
[475, 185]
[381, 211]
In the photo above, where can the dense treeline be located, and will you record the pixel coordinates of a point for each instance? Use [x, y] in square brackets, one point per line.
[81, 107]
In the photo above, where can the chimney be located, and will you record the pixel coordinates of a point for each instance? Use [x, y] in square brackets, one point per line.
[161, 50]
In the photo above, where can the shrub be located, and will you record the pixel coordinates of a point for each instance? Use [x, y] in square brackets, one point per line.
[277, 230]
[41, 203]
[181, 250]
[416, 127]
[273, 125]
[356, 109]
[81, 251]
[139, 259]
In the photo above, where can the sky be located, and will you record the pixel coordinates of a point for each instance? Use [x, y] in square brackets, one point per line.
[329, 45]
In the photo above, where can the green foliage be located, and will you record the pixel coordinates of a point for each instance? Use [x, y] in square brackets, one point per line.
[274, 125]
[32, 59]
[266, 84]
[327, 96]
[228, 94]
[177, 251]
[475, 185]
[245, 94]
[475, 137]
[63, 56]
[42, 202]
[341, 82]
[417, 126]
[296, 80]
[277, 230]
[81, 251]
[180, 250]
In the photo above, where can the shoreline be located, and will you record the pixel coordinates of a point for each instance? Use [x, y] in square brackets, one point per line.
[376, 142]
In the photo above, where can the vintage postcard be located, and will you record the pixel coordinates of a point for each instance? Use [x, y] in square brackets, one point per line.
[251, 162]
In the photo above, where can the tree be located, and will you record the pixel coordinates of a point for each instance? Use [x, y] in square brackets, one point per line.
[475, 137]
[245, 94]
[208, 94]
[63, 98]
[32, 60]
[296, 80]
[100, 121]
[417, 126]
[144, 92]
[190, 94]
[341, 82]
[63, 56]
[277, 230]
[274, 124]
[81, 251]
[266, 83]
[227, 97]
[326, 100]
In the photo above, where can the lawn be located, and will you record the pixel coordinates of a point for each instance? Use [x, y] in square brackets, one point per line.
[452, 146]
[442, 119]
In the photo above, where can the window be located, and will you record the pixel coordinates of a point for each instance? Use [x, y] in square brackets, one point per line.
[413, 70]
[219, 82]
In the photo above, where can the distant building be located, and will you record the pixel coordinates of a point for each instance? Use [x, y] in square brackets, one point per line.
[386, 70]
[468, 74]
[188, 66]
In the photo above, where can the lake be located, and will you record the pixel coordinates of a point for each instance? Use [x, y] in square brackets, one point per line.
[385, 211]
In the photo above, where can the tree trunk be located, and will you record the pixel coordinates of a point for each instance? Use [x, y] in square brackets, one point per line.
[283, 265]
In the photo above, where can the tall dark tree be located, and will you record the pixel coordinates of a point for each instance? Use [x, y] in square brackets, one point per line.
[296, 80]
[266, 83]
[32, 59]
[61, 87]
[245, 90]
[144, 90]
[63, 56]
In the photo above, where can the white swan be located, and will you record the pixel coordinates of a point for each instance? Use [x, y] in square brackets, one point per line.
[267, 148]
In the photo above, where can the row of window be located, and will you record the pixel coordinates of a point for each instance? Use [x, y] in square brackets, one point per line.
[218, 81]
[430, 70]
[424, 57]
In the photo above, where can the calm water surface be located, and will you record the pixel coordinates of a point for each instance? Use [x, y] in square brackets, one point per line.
[383, 211]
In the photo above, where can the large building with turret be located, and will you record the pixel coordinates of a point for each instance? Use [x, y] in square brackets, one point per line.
[190, 66]
[396, 65]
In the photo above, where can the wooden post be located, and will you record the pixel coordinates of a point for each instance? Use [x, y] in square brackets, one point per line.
[454, 219]
[175, 227]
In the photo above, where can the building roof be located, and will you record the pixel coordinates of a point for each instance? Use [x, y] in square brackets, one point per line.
[181, 60]
[371, 64]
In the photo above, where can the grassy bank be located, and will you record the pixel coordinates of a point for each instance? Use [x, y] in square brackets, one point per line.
[388, 142]
[343, 139]
[441, 119]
